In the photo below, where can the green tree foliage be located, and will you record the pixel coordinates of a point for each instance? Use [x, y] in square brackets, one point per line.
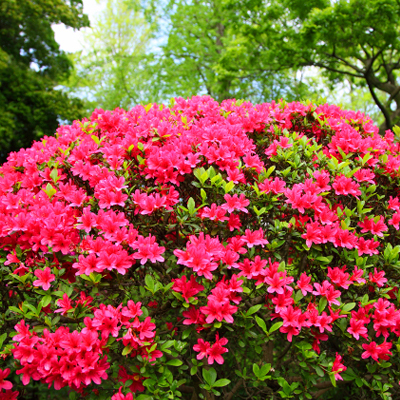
[252, 49]
[207, 53]
[356, 40]
[140, 52]
[115, 69]
[31, 66]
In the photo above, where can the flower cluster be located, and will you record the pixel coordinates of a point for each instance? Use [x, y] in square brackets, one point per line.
[211, 352]
[77, 358]
[61, 358]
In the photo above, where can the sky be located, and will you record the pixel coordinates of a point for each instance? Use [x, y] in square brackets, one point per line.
[72, 40]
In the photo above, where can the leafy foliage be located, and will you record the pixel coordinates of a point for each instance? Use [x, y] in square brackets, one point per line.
[141, 52]
[347, 39]
[206, 53]
[146, 51]
[115, 67]
[31, 65]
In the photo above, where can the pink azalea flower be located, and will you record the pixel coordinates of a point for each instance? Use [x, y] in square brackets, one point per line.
[338, 367]
[6, 385]
[45, 278]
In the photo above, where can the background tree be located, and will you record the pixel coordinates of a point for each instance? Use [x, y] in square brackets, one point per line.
[205, 53]
[151, 50]
[115, 69]
[31, 66]
[350, 40]
[141, 52]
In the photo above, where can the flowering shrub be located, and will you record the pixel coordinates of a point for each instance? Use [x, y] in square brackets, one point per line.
[203, 250]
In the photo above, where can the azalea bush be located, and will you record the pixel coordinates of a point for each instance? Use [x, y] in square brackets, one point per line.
[203, 250]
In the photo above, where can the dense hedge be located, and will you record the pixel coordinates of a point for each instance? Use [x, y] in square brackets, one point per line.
[203, 250]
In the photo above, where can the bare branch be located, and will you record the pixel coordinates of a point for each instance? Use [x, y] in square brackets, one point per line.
[321, 65]
[229, 395]
[345, 62]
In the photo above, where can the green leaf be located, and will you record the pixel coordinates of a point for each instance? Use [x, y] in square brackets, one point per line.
[72, 396]
[372, 188]
[265, 369]
[198, 172]
[203, 177]
[261, 323]
[349, 306]
[275, 326]
[127, 350]
[31, 307]
[366, 158]
[193, 370]
[167, 345]
[359, 382]
[95, 139]
[149, 282]
[298, 296]
[229, 186]
[209, 375]
[175, 362]
[50, 191]
[270, 171]
[324, 259]
[54, 175]
[221, 382]
[144, 397]
[256, 370]
[191, 206]
[322, 304]
[333, 380]
[128, 383]
[15, 309]
[253, 309]
[169, 286]
[211, 172]
[343, 324]
[131, 147]
[186, 333]
[46, 300]
[319, 371]
[2, 338]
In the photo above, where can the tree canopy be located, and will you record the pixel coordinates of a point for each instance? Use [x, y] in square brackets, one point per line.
[257, 50]
[347, 39]
[31, 66]
[140, 52]
[115, 67]
[206, 53]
